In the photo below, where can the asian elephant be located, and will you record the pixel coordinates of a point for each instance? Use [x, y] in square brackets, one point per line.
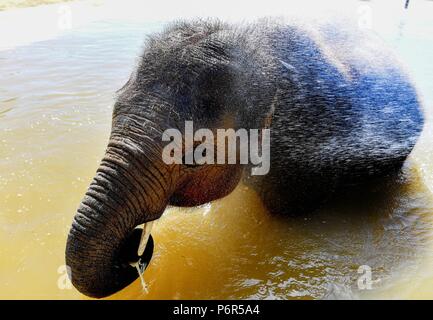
[340, 108]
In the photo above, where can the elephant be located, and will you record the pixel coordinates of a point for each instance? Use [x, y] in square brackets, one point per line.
[341, 110]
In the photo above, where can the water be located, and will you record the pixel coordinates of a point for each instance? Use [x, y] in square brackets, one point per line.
[56, 99]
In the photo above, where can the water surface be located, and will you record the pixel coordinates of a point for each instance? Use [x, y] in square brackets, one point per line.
[56, 99]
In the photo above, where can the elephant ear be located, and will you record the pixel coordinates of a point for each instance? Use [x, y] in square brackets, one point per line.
[201, 78]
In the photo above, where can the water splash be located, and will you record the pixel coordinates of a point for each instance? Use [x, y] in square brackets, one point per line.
[140, 266]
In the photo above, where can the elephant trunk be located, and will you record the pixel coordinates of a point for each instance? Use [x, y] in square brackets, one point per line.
[124, 193]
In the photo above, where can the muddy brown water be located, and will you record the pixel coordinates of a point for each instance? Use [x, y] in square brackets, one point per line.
[56, 99]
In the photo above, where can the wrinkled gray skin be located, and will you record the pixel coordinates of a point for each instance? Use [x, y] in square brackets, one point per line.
[340, 109]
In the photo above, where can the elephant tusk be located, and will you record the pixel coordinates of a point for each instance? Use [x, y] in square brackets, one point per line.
[144, 237]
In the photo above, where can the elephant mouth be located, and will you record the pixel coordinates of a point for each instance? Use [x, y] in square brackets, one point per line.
[138, 248]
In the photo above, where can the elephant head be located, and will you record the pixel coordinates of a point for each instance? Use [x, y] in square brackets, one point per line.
[184, 74]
